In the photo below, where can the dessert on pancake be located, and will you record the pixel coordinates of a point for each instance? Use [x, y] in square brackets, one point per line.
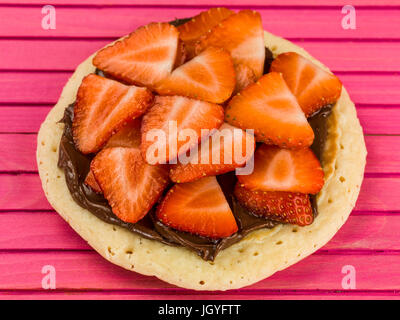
[206, 77]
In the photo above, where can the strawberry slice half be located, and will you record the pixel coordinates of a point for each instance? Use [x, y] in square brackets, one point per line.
[244, 77]
[145, 57]
[276, 169]
[216, 156]
[269, 108]
[210, 76]
[191, 31]
[312, 86]
[242, 35]
[199, 208]
[90, 181]
[286, 207]
[128, 137]
[102, 107]
[184, 113]
[130, 185]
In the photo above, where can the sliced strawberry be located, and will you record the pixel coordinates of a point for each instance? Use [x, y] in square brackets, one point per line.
[191, 31]
[186, 113]
[276, 169]
[102, 107]
[130, 185]
[181, 55]
[286, 207]
[312, 86]
[244, 77]
[212, 157]
[145, 57]
[269, 108]
[128, 136]
[92, 183]
[198, 207]
[209, 76]
[242, 35]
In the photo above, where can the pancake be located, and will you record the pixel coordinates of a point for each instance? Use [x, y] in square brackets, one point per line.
[261, 253]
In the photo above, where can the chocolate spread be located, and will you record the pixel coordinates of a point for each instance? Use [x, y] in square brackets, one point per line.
[76, 167]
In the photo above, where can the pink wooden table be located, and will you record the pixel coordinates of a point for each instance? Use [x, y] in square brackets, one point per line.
[34, 65]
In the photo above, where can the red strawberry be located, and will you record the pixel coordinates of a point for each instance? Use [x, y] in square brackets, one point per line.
[312, 86]
[91, 182]
[244, 77]
[198, 207]
[145, 57]
[188, 114]
[128, 136]
[269, 108]
[130, 185]
[201, 162]
[209, 76]
[102, 107]
[242, 35]
[199, 25]
[286, 207]
[276, 169]
[181, 54]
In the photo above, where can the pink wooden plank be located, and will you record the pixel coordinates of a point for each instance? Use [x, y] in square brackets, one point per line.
[251, 3]
[379, 120]
[379, 194]
[46, 230]
[16, 119]
[37, 88]
[22, 192]
[47, 55]
[237, 295]
[38, 230]
[19, 153]
[66, 55]
[113, 22]
[45, 87]
[374, 194]
[22, 119]
[87, 270]
[367, 232]
[383, 154]
[372, 89]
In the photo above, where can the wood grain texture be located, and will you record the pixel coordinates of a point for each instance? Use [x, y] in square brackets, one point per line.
[34, 66]
[321, 23]
[156, 295]
[67, 54]
[206, 3]
[374, 195]
[48, 231]
[21, 119]
[19, 153]
[38, 231]
[45, 87]
[77, 270]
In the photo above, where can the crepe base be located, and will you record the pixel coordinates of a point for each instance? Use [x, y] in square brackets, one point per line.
[256, 257]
